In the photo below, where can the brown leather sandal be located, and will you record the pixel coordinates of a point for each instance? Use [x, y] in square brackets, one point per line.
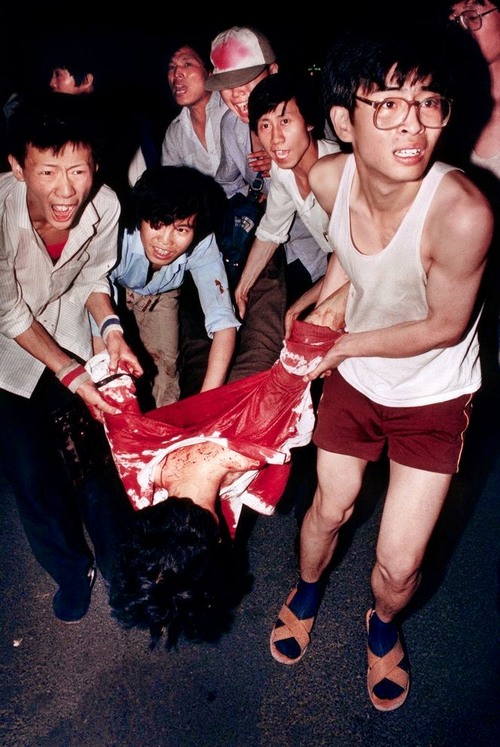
[291, 627]
[386, 668]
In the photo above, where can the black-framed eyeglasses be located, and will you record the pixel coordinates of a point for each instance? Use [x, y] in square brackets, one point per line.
[433, 112]
[471, 20]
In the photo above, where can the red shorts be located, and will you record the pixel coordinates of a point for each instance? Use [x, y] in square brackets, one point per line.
[427, 437]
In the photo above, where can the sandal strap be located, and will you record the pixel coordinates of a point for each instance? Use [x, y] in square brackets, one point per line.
[293, 627]
[387, 667]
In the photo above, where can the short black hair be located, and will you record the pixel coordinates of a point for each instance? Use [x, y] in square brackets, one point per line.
[361, 58]
[275, 89]
[198, 41]
[164, 194]
[74, 53]
[50, 121]
[176, 574]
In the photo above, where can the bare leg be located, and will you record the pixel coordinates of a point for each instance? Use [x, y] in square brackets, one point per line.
[339, 481]
[413, 503]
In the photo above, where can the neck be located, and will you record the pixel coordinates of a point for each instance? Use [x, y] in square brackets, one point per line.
[308, 159]
[494, 60]
[198, 110]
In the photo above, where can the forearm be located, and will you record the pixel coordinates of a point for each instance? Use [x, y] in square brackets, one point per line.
[309, 298]
[334, 279]
[400, 340]
[331, 311]
[260, 254]
[451, 303]
[219, 359]
[37, 341]
[97, 345]
[258, 257]
[100, 306]
[112, 337]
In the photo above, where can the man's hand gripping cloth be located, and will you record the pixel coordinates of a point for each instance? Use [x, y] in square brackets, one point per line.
[262, 416]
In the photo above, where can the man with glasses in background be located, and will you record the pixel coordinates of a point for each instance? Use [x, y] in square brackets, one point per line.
[481, 18]
[468, 14]
[412, 235]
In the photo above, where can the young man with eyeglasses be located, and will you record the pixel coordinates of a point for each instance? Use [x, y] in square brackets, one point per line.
[412, 235]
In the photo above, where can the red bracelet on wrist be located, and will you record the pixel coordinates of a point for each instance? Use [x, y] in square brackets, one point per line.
[73, 375]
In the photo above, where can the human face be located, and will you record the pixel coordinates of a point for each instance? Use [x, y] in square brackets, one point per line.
[399, 154]
[63, 82]
[166, 243]
[237, 98]
[284, 134]
[58, 186]
[488, 35]
[186, 77]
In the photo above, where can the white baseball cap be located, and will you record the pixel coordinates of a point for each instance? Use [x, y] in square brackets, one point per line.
[238, 55]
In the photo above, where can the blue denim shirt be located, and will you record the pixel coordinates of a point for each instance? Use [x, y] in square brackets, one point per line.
[205, 264]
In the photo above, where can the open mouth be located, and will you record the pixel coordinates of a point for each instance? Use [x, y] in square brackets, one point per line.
[63, 213]
[408, 152]
[281, 155]
[162, 254]
[242, 109]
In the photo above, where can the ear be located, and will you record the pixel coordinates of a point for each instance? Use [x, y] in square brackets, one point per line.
[273, 68]
[341, 123]
[309, 128]
[17, 169]
[88, 83]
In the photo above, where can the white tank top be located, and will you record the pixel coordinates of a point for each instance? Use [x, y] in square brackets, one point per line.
[388, 288]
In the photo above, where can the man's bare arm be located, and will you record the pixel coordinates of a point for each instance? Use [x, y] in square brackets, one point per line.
[460, 234]
[260, 254]
[37, 341]
[331, 311]
[219, 358]
[100, 306]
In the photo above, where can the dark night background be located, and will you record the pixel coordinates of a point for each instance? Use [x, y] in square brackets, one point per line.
[129, 44]
[127, 47]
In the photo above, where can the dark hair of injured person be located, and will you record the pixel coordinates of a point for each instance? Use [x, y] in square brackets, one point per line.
[178, 573]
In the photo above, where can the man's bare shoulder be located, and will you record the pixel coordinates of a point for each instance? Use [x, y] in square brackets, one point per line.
[461, 213]
[324, 178]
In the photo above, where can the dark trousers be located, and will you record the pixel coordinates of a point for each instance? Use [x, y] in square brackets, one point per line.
[52, 507]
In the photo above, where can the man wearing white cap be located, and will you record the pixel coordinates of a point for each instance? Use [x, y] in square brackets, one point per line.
[241, 57]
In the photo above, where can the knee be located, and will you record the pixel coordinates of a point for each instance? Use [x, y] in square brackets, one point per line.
[400, 571]
[328, 512]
